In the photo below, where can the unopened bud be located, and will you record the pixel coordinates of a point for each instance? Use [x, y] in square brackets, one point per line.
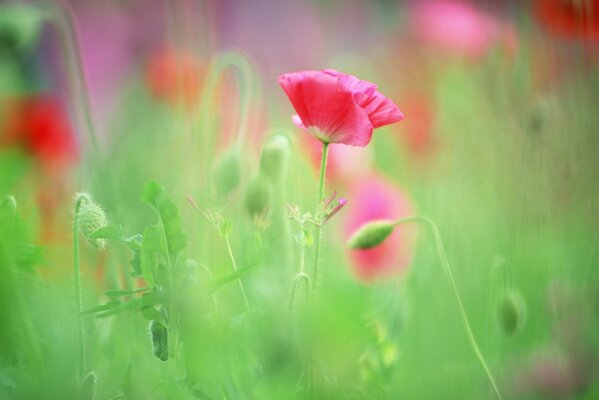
[274, 157]
[159, 338]
[258, 197]
[371, 235]
[227, 173]
[511, 311]
[90, 218]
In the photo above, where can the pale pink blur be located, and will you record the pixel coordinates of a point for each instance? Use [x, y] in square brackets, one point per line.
[374, 198]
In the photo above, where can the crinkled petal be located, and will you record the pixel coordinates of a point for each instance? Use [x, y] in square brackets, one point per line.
[322, 102]
[380, 110]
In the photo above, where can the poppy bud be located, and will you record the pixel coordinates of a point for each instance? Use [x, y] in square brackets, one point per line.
[227, 173]
[258, 196]
[511, 311]
[274, 157]
[159, 338]
[90, 218]
[371, 235]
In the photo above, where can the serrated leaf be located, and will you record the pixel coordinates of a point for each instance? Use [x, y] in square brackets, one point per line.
[149, 252]
[168, 212]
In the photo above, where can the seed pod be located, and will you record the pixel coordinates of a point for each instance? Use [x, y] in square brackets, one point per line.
[511, 311]
[258, 197]
[371, 235]
[159, 338]
[90, 218]
[274, 157]
[227, 173]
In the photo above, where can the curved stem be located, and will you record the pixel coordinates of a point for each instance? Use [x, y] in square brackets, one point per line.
[323, 167]
[245, 299]
[78, 85]
[77, 272]
[445, 263]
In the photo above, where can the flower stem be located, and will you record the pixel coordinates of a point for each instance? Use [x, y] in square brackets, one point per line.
[445, 263]
[245, 299]
[78, 85]
[323, 167]
[77, 272]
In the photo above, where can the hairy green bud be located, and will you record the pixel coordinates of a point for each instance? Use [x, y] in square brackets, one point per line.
[274, 157]
[159, 339]
[227, 173]
[258, 197]
[90, 218]
[371, 235]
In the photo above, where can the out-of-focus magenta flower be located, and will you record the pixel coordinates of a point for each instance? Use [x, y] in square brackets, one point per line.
[458, 27]
[336, 107]
[174, 77]
[40, 125]
[373, 198]
[569, 18]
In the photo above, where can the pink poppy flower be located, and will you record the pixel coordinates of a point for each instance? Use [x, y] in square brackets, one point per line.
[336, 107]
[460, 28]
[371, 199]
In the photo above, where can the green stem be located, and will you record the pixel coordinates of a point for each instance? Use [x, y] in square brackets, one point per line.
[77, 272]
[445, 263]
[323, 167]
[245, 299]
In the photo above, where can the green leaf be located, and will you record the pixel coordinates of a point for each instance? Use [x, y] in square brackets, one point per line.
[149, 252]
[133, 305]
[221, 281]
[119, 293]
[176, 240]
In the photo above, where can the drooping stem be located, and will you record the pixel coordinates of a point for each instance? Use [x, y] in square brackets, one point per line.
[323, 167]
[245, 299]
[445, 263]
[66, 26]
[77, 272]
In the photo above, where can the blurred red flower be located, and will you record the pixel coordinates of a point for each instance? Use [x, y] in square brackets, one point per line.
[374, 198]
[459, 28]
[569, 18]
[40, 126]
[175, 77]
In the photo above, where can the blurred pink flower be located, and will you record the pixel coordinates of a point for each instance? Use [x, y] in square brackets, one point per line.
[374, 198]
[341, 107]
[458, 27]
